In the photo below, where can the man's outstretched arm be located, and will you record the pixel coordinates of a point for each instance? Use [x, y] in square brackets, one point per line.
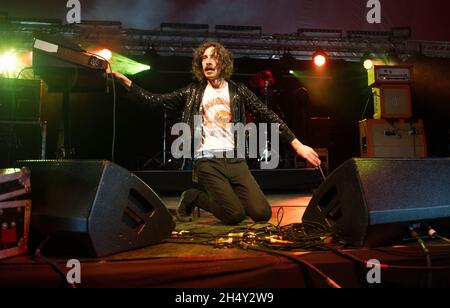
[172, 101]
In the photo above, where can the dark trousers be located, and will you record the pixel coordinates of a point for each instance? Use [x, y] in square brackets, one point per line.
[229, 191]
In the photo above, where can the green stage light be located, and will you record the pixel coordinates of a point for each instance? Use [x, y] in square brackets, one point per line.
[300, 75]
[126, 65]
[9, 64]
[13, 63]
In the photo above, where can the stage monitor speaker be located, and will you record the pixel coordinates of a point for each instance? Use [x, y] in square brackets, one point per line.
[373, 202]
[93, 209]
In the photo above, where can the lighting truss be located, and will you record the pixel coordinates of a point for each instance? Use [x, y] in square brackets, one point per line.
[171, 41]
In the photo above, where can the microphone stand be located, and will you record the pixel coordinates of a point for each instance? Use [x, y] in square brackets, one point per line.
[265, 155]
[165, 161]
[165, 137]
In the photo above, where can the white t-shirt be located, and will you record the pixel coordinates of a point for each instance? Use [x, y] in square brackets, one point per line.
[217, 133]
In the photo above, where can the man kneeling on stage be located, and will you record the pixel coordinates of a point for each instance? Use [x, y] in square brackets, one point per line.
[227, 188]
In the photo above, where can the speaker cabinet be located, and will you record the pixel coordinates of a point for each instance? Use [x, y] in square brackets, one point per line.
[93, 208]
[372, 202]
[381, 138]
[392, 101]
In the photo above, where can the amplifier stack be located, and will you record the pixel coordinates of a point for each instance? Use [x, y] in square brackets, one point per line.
[393, 132]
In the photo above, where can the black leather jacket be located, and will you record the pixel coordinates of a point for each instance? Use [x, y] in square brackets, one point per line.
[188, 100]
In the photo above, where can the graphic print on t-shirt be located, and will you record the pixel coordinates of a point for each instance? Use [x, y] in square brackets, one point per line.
[217, 113]
[217, 121]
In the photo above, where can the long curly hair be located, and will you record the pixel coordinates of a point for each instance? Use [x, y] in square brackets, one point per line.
[224, 56]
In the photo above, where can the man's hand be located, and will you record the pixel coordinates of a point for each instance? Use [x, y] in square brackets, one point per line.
[306, 152]
[121, 78]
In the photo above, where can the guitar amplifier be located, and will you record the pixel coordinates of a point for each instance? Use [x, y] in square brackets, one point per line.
[392, 101]
[380, 138]
[385, 74]
[14, 213]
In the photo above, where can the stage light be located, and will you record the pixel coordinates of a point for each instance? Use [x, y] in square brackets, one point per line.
[170, 26]
[8, 64]
[369, 60]
[291, 72]
[13, 62]
[368, 64]
[320, 33]
[104, 53]
[373, 36]
[126, 65]
[320, 58]
[242, 29]
[401, 33]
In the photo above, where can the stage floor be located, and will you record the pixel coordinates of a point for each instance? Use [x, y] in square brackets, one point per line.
[294, 205]
[190, 264]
